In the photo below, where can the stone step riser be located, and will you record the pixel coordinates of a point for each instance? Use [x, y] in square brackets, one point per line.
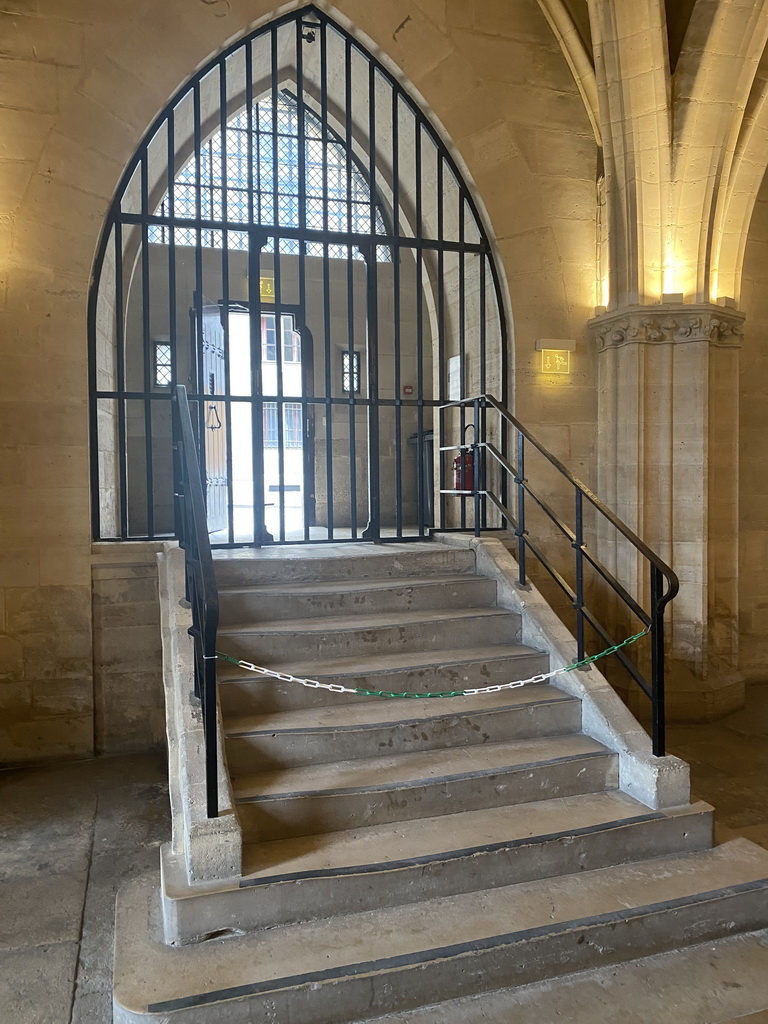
[293, 900]
[255, 695]
[235, 572]
[264, 646]
[332, 811]
[367, 990]
[270, 750]
[242, 606]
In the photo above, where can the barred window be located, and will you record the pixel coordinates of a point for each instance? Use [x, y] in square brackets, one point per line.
[163, 365]
[216, 185]
[350, 373]
[293, 435]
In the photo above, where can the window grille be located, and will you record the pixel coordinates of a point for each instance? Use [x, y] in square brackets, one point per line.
[350, 373]
[293, 435]
[336, 195]
[163, 365]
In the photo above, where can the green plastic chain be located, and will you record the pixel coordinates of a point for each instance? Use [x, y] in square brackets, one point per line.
[414, 695]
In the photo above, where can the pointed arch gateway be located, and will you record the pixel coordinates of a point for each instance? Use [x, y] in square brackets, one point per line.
[294, 242]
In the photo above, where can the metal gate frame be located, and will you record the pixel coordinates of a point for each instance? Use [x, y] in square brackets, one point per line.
[131, 218]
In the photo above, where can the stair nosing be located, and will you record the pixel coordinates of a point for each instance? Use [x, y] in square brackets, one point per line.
[560, 699]
[362, 623]
[387, 787]
[436, 659]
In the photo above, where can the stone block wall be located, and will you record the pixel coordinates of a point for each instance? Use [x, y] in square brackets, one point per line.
[753, 452]
[128, 689]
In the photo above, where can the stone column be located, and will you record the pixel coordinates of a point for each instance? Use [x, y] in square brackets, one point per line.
[668, 409]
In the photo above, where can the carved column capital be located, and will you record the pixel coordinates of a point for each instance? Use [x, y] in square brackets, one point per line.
[668, 325]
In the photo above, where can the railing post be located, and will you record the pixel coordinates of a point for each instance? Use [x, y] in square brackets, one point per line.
[520, 531]
[476, 464]
[579, 548]
[657, 662]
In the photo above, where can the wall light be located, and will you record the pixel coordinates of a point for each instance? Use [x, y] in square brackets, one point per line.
[555, 354]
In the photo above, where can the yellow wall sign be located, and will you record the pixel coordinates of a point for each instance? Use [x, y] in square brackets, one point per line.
[267, 289]
[555, 360]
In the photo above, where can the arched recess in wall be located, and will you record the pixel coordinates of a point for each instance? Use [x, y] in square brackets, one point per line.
[294, 242]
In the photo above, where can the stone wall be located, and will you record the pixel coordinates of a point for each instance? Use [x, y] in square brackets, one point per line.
[753, 456]
[127, 676]
[79, 84]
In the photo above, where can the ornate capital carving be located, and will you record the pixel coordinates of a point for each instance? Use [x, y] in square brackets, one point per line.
[668, 325]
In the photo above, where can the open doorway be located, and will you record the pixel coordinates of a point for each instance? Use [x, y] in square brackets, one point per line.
[286, 492]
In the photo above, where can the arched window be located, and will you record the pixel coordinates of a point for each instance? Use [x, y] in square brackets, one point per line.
[266, 168]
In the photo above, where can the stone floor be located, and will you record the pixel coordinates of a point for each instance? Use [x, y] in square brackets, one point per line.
[71, 834]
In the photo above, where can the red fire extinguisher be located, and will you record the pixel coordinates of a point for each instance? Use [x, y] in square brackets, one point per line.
[464, 466]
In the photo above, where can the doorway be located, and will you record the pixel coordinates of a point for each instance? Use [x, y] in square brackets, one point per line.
[286, 489]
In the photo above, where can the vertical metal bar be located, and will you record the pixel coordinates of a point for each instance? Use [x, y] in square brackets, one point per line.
[122, 453]
[476, 465]
[463, 329]
[302, 190]
[579, 549]
[657, 663]
[197, 339]
[255, 241]
[249, 127]
[520, 481]
[441, 357]
[418, 156]
[171, 211]
[223, 103]
[210, 724]
[327, 348]
[280, 352]
[396, 313]
[373, 529]
[146, 312]
[483, 388]
[350, 292]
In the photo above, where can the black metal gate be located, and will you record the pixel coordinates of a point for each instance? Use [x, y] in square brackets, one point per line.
[293, 242]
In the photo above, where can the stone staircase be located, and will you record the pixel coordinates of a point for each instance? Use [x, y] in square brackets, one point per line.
[404, 852]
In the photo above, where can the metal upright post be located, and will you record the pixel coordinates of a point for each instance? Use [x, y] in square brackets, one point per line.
[657, 661]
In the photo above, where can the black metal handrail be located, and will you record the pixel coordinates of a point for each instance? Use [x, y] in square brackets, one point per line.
[660, 572]
[201, 592]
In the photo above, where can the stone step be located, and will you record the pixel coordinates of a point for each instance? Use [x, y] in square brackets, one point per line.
[350, 794]
[360, 966]
[297, 563]
[359, 730]
[274, 601]
[345, 636]
[722, 981]
[243, 693]
[290, 880]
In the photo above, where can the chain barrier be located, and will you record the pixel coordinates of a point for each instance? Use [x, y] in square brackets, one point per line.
[315, 684]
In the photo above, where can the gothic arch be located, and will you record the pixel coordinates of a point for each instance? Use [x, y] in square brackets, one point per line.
[444, 298]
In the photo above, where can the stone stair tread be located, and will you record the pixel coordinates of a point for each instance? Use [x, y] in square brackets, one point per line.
[436, 838]
[384, 663]
[715, 982]
[349, 586]
[377, 711]
[383, 772]
[151, 976]
[341, 550]
[369, 621]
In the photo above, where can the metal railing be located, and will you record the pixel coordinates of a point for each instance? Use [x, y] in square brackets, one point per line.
[489, 461]
[201, 592]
